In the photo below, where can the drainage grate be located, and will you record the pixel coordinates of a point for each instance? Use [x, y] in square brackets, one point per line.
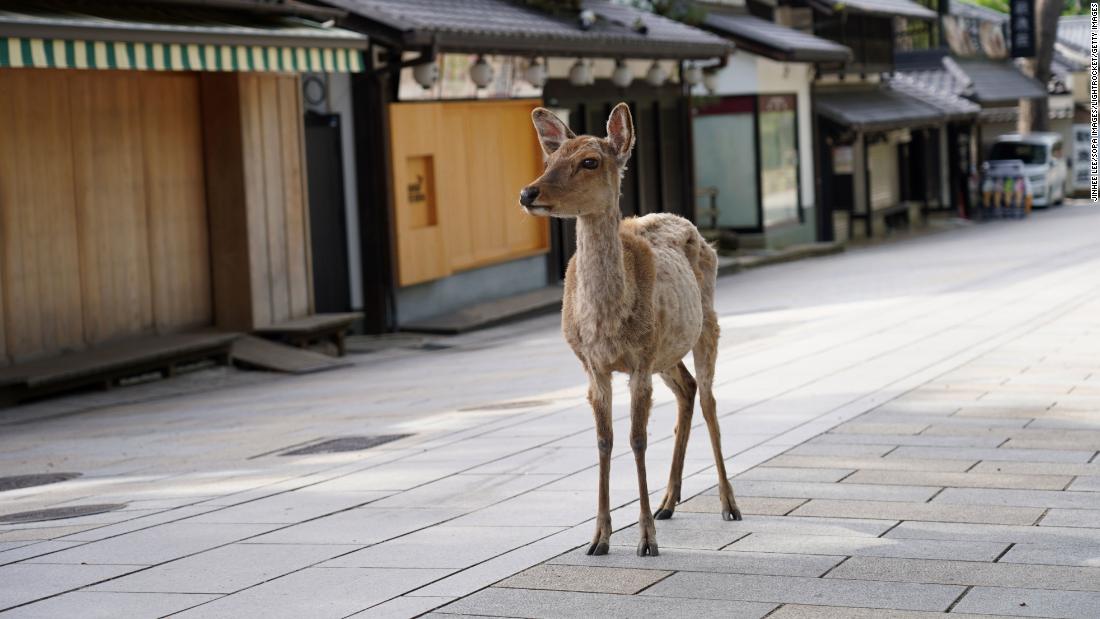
[345, 443]
[15, 482]
[59, 513]
[500, 406]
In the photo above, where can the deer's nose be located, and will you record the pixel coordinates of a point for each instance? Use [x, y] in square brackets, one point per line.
[528, 194]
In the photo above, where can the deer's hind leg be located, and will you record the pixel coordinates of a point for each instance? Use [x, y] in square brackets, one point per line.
[680, 381]
[706, 354]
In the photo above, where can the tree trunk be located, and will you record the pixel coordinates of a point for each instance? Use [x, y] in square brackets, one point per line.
[1035, 113]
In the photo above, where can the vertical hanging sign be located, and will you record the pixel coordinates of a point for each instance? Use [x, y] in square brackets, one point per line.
[1022, 28]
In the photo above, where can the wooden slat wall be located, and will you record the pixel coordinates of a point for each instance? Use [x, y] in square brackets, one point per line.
[175, 190]
[39, 266]
[103, 230]
[257, 199]
[483, 153]
[110, 205]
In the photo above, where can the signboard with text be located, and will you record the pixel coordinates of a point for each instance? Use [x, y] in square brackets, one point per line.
[1022, 28]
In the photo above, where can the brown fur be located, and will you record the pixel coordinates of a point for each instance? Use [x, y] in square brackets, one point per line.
[639, 295]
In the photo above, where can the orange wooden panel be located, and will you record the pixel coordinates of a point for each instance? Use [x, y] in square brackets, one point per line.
[176, 197]
[110, 204]
[415, 131]
[39, 264]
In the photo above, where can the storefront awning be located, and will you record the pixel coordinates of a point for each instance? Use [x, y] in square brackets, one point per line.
[171, 39]
[875, 110]
[504, 27]
[771, 40]
[882, 8]
[993, 82]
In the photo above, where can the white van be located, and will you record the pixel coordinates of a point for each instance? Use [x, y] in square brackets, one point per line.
[1044, 163]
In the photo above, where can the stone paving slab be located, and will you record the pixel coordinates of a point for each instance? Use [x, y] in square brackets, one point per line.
[994, 454]
[872, 463]
[585, 578]
[779, 473]
[1027, 498]
[444, 546]
[798, 611]
[906, 439]
[784, 589]
[102, 605]
[733, 561]
[927, 512]
[756, 506]
[961, 480]
[869, 547]
[1031, 603]
[970, 573]
[502, 602]
[819, 490]
[318, 592]
[25, 582]
[1079, 554]
[1057, 517]
[224, 570]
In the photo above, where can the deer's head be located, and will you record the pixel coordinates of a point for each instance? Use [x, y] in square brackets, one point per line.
[583, 174]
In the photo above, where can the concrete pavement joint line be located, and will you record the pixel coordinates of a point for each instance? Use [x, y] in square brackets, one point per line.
[839, 563]
[935, 494]
[997, 559]
[951, 606]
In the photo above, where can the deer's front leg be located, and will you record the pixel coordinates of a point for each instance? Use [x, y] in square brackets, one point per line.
[641, 398]
[599, 396]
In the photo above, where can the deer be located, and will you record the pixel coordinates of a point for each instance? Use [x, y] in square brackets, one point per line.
[639, 295]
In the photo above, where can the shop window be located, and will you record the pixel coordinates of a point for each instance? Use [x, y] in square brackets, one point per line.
[778, 159]
[725, 147]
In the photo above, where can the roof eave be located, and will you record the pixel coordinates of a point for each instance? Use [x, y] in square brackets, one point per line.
[138, 35]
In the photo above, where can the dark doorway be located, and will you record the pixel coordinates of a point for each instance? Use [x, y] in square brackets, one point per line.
[659, 177]
[327, 222]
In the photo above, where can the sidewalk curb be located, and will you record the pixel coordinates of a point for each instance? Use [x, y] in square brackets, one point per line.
[728, 265]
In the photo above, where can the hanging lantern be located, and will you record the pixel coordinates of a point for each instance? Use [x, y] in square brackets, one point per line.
[710, 81]
[535, 74]
[426, 74]
[656, 74]
[692, 75]
[580, 74]
[481, 72]
[622, 75]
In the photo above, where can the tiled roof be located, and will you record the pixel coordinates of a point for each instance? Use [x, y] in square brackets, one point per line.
[1073, 32]
[994, 81]
[773, 40]
[876, 110]
[960, 8]
[501, 26]
[937, 87]
[895, 8]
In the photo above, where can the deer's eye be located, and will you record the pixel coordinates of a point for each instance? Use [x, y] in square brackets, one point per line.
[590, 164]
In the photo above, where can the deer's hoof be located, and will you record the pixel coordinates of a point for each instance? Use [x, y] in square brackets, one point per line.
[647, 549]
[731, 514]
[662, 514]
[597, 548]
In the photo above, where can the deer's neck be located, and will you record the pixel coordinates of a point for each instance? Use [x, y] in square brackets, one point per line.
[601, 276]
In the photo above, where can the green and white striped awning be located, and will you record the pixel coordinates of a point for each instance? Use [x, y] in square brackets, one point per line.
[70, 54]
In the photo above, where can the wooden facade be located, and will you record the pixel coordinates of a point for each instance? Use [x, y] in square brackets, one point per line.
[127, 199]
[455, 198]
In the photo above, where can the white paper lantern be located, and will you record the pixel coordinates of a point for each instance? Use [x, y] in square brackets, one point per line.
[481, 72]
[692, 75]
[426, 74]
[622, 75]
[710, 81]
[535, 74]
[656, 74]
[580, 74]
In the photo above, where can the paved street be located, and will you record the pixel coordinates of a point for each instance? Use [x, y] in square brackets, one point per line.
[912, 426]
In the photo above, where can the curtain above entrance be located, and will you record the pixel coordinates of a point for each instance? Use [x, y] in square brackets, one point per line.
[174, 39]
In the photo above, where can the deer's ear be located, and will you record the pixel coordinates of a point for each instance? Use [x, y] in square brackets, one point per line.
[552, 131]
[620, 132]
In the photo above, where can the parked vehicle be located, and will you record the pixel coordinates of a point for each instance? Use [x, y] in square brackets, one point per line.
[1044, 163]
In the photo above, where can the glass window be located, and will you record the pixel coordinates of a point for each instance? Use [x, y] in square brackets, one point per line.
[1028, 153]
[725, 149]
[778, 159]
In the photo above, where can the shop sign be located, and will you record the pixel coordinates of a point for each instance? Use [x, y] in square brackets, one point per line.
[1022, 28]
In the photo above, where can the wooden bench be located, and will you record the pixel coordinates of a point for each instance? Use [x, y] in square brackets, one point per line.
[309, 330]
[106, 365]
